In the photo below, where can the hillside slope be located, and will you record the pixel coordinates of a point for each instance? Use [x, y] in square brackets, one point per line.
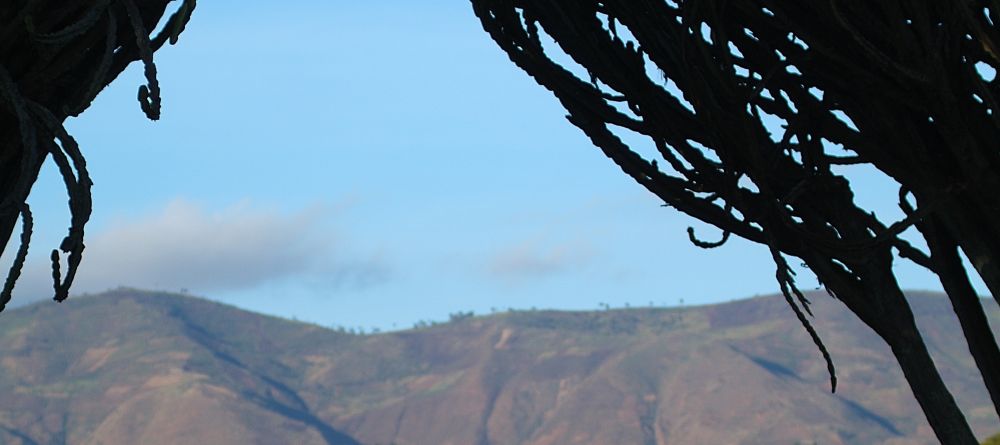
[130, 367]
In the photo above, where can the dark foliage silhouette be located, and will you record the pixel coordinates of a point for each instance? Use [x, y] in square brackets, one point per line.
[55, 57]
[905, 87]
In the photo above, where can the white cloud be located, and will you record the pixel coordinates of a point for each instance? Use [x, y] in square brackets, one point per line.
[186, 246]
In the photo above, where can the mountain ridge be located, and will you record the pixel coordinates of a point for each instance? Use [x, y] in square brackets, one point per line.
[131, 366]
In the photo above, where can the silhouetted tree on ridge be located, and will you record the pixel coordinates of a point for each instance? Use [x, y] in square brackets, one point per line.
[898, 85]
[55, 57]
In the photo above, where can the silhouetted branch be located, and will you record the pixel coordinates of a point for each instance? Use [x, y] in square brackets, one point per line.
[54, 59]
[746, 101]
[27, 223]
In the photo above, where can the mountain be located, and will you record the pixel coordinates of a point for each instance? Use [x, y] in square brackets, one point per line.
[134, 367]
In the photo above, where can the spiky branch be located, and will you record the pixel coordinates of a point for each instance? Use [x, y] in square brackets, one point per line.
[55, 57]
[754, 106]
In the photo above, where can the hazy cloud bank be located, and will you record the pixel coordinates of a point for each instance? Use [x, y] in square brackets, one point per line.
[538, 259]
[185, 246]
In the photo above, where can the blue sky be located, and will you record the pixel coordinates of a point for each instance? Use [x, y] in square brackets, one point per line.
[373, 164]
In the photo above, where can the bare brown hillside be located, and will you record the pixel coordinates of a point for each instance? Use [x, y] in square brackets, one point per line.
[129, 367]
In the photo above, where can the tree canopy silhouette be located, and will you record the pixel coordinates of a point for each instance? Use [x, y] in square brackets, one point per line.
[755, 107]
[55, 57]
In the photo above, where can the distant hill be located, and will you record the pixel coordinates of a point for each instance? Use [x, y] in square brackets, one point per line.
[132, 367]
